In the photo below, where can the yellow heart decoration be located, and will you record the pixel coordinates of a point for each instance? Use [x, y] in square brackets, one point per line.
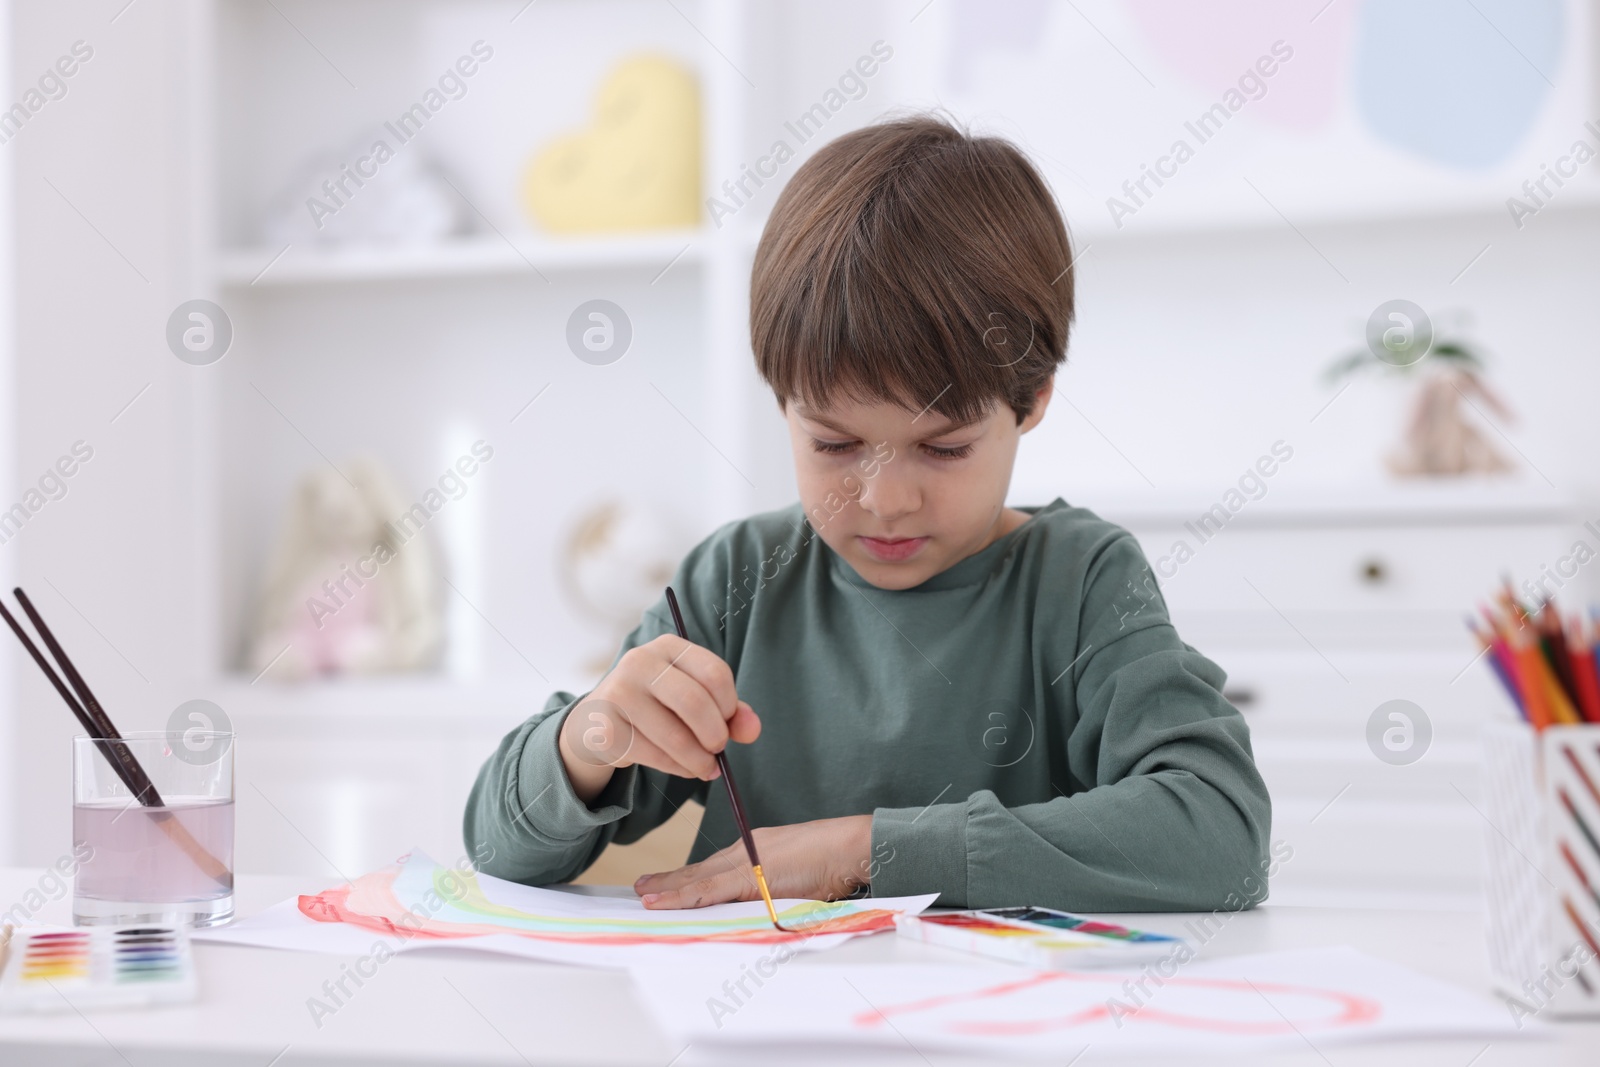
[635, 167]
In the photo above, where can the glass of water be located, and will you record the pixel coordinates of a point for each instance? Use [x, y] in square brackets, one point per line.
[168, 864]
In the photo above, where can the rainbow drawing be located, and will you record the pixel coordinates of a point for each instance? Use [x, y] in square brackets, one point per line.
[418, 898]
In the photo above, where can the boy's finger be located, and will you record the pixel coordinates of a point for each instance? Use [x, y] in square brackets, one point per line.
[661, 726]
[665, 880]
[653, 883]
[745, 726]
[714, 675]
[710, 889]
[684, 695]
[647, 753]
[726, 861]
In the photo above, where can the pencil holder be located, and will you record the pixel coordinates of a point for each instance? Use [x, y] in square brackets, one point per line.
[1542, 803]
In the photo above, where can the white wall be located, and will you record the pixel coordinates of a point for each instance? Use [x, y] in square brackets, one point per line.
[8, 429]
[99, 266]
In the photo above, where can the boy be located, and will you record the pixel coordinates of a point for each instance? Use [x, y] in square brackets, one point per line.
[924, 689]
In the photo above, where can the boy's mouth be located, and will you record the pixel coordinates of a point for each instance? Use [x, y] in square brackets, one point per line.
[892, 549]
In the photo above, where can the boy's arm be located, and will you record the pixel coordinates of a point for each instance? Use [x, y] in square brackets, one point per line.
[1166, 811]
[524, 815]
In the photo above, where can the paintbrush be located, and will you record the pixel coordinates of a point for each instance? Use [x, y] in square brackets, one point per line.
[98, 725]
[733, 793]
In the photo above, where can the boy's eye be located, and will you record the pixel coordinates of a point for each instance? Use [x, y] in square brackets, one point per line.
[949, 451]
[832, 448]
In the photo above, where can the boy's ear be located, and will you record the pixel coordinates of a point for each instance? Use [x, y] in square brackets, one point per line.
[1041, 401]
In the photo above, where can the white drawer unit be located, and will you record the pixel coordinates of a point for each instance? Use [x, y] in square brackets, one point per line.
[1375, 568]
[341, 778]
[1360, 568]
[1366, 832]
[1324, 609]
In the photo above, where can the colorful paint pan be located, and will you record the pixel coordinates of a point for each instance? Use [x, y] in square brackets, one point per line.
[111, 967]
[1039, 937]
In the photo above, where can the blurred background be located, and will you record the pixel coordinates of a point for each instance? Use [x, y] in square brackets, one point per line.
[452, 294]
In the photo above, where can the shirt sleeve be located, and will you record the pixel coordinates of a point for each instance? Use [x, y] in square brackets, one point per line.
[1165, 811]
[523, 815]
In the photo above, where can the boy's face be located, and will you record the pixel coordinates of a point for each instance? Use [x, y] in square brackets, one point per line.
[903, 496]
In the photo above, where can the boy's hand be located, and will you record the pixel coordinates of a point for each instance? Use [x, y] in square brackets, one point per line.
[669, 704]
[822, 860]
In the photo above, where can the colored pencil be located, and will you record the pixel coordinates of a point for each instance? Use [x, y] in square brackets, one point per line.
[1562, 709]
[1500, 660]
[1516, 614]
[733, 791]
[1496, 623]
[1498, 656]
[1551, 666]
[1525, 659]
[1553, 643]
[1594, 644]
[1580, 652]
[1539, 683]
[1520, 659]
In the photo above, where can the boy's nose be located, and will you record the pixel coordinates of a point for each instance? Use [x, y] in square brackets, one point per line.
[889, 497]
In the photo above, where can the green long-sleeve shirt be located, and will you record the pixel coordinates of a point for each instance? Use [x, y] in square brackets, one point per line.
[1024, 728]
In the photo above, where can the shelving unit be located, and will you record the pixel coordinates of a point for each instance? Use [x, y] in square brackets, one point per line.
[474, 256]
[458, 323]
[407, 350]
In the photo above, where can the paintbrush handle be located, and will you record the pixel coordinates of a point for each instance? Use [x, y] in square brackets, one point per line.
[116, 754]
[179, 834]
[722, 759]
[738, 809]
[95, 720]
[103, 724]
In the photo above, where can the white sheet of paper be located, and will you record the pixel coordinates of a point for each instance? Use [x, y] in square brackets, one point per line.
[1273, 1000]
[506, 904]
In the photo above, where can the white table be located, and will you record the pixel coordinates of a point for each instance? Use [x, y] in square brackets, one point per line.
[456, 1008]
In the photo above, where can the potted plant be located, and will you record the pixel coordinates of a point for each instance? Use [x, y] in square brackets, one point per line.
[1439, 440]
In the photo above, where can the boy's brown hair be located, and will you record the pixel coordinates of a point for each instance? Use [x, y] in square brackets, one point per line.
[913, 263]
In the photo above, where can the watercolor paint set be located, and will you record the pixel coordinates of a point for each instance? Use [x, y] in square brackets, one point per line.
[64, 970]
[1039, 937]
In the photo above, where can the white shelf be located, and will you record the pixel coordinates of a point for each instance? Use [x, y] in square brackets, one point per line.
[1579, 200]
[475, 256]
[1483, 500]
